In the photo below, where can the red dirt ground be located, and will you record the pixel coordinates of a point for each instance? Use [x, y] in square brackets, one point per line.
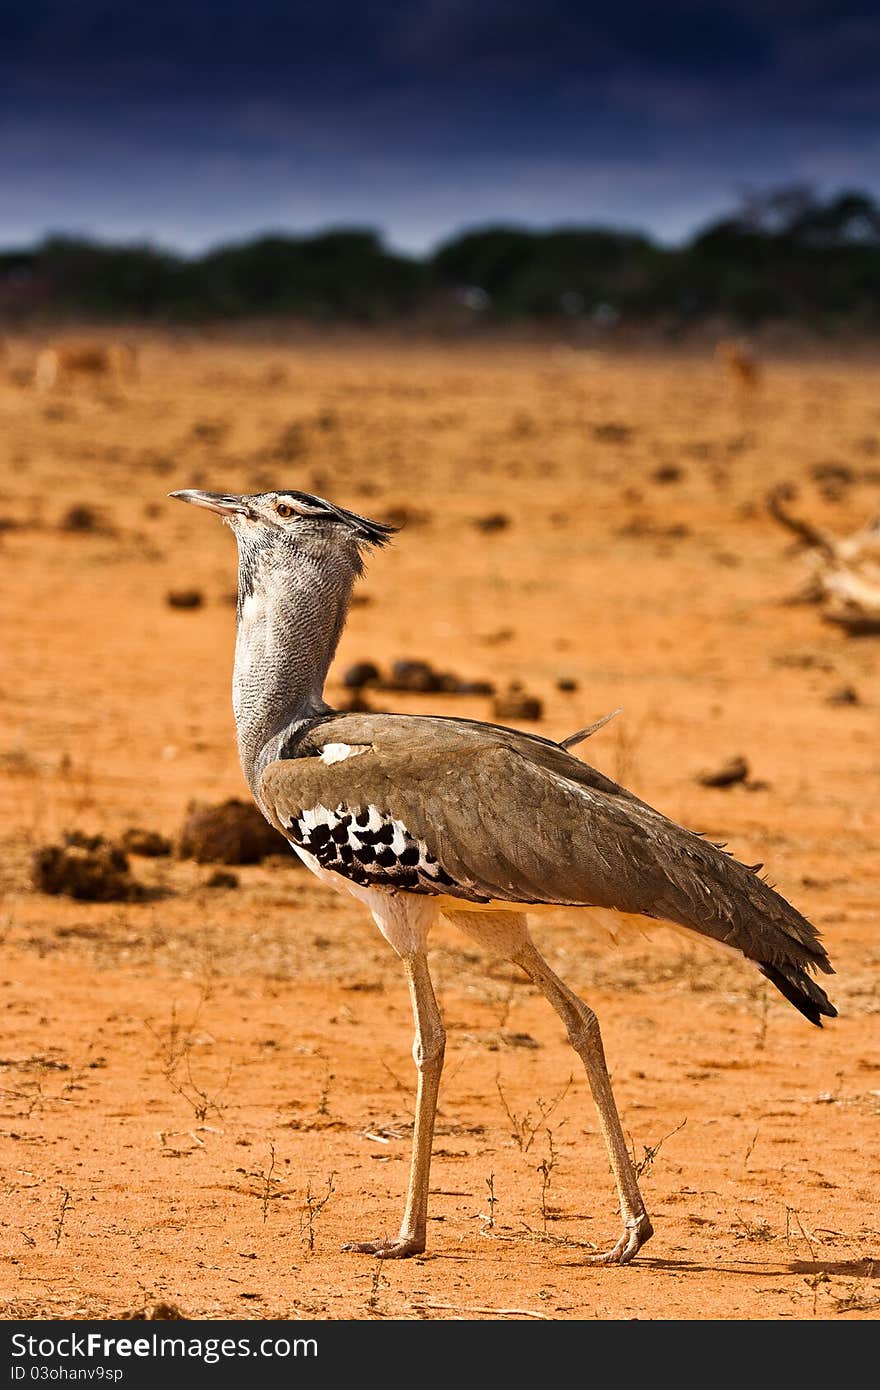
[203, 1095]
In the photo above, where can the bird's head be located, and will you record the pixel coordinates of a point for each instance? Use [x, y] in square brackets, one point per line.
[281, 529]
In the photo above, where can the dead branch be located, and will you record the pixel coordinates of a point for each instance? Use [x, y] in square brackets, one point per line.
[804, 530]
[845, 578]
[492, 1312]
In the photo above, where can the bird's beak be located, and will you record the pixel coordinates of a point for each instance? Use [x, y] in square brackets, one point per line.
[221, 502]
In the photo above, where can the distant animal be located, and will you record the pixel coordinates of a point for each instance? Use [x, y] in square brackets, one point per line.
[64, 361]
[738, 363]
[418, 816]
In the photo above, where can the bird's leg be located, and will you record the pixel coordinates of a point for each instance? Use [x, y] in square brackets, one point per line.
[428, 1048]
[584, 1036]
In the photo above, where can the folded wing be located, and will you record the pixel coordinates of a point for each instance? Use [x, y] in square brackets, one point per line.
[506, 817]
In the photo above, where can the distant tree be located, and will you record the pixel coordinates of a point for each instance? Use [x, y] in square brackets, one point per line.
[544, 273]
[796, 213]
[787, 254]
[103, 279]
[488, 258]
[343, 273]
[783, 253]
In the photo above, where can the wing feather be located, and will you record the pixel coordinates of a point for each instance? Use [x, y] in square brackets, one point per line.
[515, 818]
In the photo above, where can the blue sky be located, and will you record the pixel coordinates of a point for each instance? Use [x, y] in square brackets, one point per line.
[189, 124]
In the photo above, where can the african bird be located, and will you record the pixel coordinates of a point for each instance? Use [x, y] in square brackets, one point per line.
[422, 815]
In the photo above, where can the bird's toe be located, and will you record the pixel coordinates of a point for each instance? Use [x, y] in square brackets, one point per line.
[399, 1249]
[635, 1234]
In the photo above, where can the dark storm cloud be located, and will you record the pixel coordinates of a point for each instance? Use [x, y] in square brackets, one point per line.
[416, 115]
[102, 53]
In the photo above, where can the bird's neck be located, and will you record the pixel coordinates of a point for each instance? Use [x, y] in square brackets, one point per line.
[288, 629]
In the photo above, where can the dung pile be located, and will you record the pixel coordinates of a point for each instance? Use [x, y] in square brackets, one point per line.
[233, 832]
[87, 867]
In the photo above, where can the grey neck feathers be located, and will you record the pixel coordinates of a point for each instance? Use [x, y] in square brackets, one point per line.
[291, 610]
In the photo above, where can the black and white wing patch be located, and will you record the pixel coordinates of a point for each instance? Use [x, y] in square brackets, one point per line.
[368, 847]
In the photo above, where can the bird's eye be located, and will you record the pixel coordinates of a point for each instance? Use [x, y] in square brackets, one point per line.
[283, 509]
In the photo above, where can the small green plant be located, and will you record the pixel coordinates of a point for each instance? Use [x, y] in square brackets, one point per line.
[175, 1043]
[493, 1201]
[649, 1152]
[267, 1183]
[524, 1127]
[324, 1098]
[59, 1220]
[312, 1209]
[545, 1168]
[759, 1230]
[376, 1283]
[792, 1218]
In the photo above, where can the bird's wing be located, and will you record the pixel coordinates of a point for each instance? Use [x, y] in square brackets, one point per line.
[506, 817]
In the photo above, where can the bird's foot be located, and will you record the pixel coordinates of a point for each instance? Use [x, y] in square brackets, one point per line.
[399, 1249]
[636, 1232]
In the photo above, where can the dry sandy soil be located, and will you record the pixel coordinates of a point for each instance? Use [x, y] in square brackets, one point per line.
[205, 1093]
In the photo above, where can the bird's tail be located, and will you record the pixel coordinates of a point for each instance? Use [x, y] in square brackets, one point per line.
[744, 911]
[801, 991]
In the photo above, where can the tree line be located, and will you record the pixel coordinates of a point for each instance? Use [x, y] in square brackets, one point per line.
[787, 254]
